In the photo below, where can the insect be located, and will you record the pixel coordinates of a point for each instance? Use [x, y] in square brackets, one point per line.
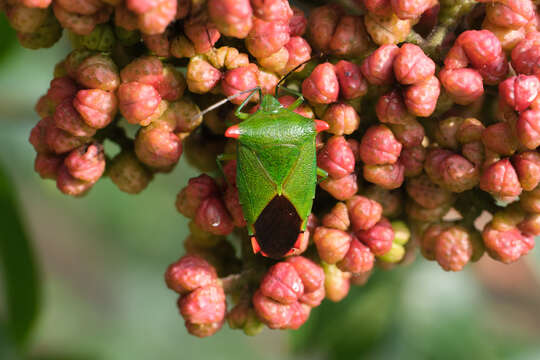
[276, 173]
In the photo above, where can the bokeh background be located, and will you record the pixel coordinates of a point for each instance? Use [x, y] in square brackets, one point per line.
[100, 262]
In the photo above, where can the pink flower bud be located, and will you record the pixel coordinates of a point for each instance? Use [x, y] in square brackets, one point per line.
[427, 193]
[145, 70]
[38, 135]
[158, 44]
[453, 249]
[322, 85]
[378, 7]
[69, 185]
[203, 330]
[198, 189]
[96, 107]
[332, 244]
[429, 239]
[336, 283]
[501, 180]
[203, 305]
[410, 133]
[528, 129]
[527, 166]
[282, 283]
[349, 38]
[417, 212]
[80, 24]
[342, 118]
[378, 67]
[239, 79]
[157, 147]
[359, 258]
[351, 82]
[82, 7]
[267, 37]
[390, 176]
[510, 14]
[47, 165]
[156, 19]
[391, 201]
[277, 62]
[410, 9]
[451, 171]
[68, 119]
[338, 218]
[272, 10]
[530, 225]
[138, 102]
[273, 313]
[60, 89]
[379, 146]
[322, 23]
[391, 109]
[506, 246]
[364, 213]
[98, 72]
[411, 65]
[336, 157]
[212, 217]
[188, 273]
[421, 98]
[172, 84]
[128, 173]
[300, 314]
[378, 238]
[519, 91]
[298, 22]
[500, 139]
[312, 276]
[299, 52]
[87, 162]
[232, 17]
[201, 75]
[232, 202]
[341, 189]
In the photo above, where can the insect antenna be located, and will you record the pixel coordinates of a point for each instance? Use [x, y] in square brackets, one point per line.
[224, 101]
[283, 79]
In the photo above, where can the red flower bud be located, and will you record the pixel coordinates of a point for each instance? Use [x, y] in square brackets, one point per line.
[342, 118]
[428, 194]
[322, 23]
[272, 10]
[389, 176]
[332, 244]
[464, 86]
[38, 135]
[157, 147]
[96, 107]
[358, 259]
[232, 202]
[525, 55]
[298, 22]
[501, 180]
[156, 20]
[349, 38]
[299, 52]
[69, 185]
[500, 139]
[138, 102]
[530, 200]
[198, 189]
[145, 70]
[300, 314]
[338, 218]
[341, 189]
[87, 162]
[410, 9]
[391, 109]
[506, 246]
[519, 91]
[410, 133]
[453, 249]
[528, 129]
[127, 172]
[172, 84]
[68, 119]
[378, 67]
[351, 82]
[201, 33]
[391, 201]
[411, 65]
[47, 165]
[530, 225]
[60, 89]
[322, 85]
[239, 79]
[312, 276]
[274, 314]
[212, 217]
[203, 305]
[421, 98]
[527, 166]
[336, 157]
[364, 213]
[379, 146]
[378, 238]
[188, 273]
[282, 283]
[451, 171]
[60, 141]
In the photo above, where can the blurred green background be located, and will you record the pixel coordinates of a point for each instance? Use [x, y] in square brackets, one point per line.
[100, 263]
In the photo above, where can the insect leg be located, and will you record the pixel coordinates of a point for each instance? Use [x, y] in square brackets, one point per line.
[298, 101]
[239, 112]
[323, 175]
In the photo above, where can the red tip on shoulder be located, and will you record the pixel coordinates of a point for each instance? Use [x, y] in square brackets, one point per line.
[255, 245]
[297, 245]
[321, 125]
[233, 132]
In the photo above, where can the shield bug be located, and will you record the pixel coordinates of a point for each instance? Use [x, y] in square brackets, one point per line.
[276, 173]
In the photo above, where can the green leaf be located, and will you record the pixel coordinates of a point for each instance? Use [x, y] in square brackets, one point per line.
[17, 266]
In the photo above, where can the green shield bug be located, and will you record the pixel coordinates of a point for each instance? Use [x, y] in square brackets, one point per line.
[276, 173]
